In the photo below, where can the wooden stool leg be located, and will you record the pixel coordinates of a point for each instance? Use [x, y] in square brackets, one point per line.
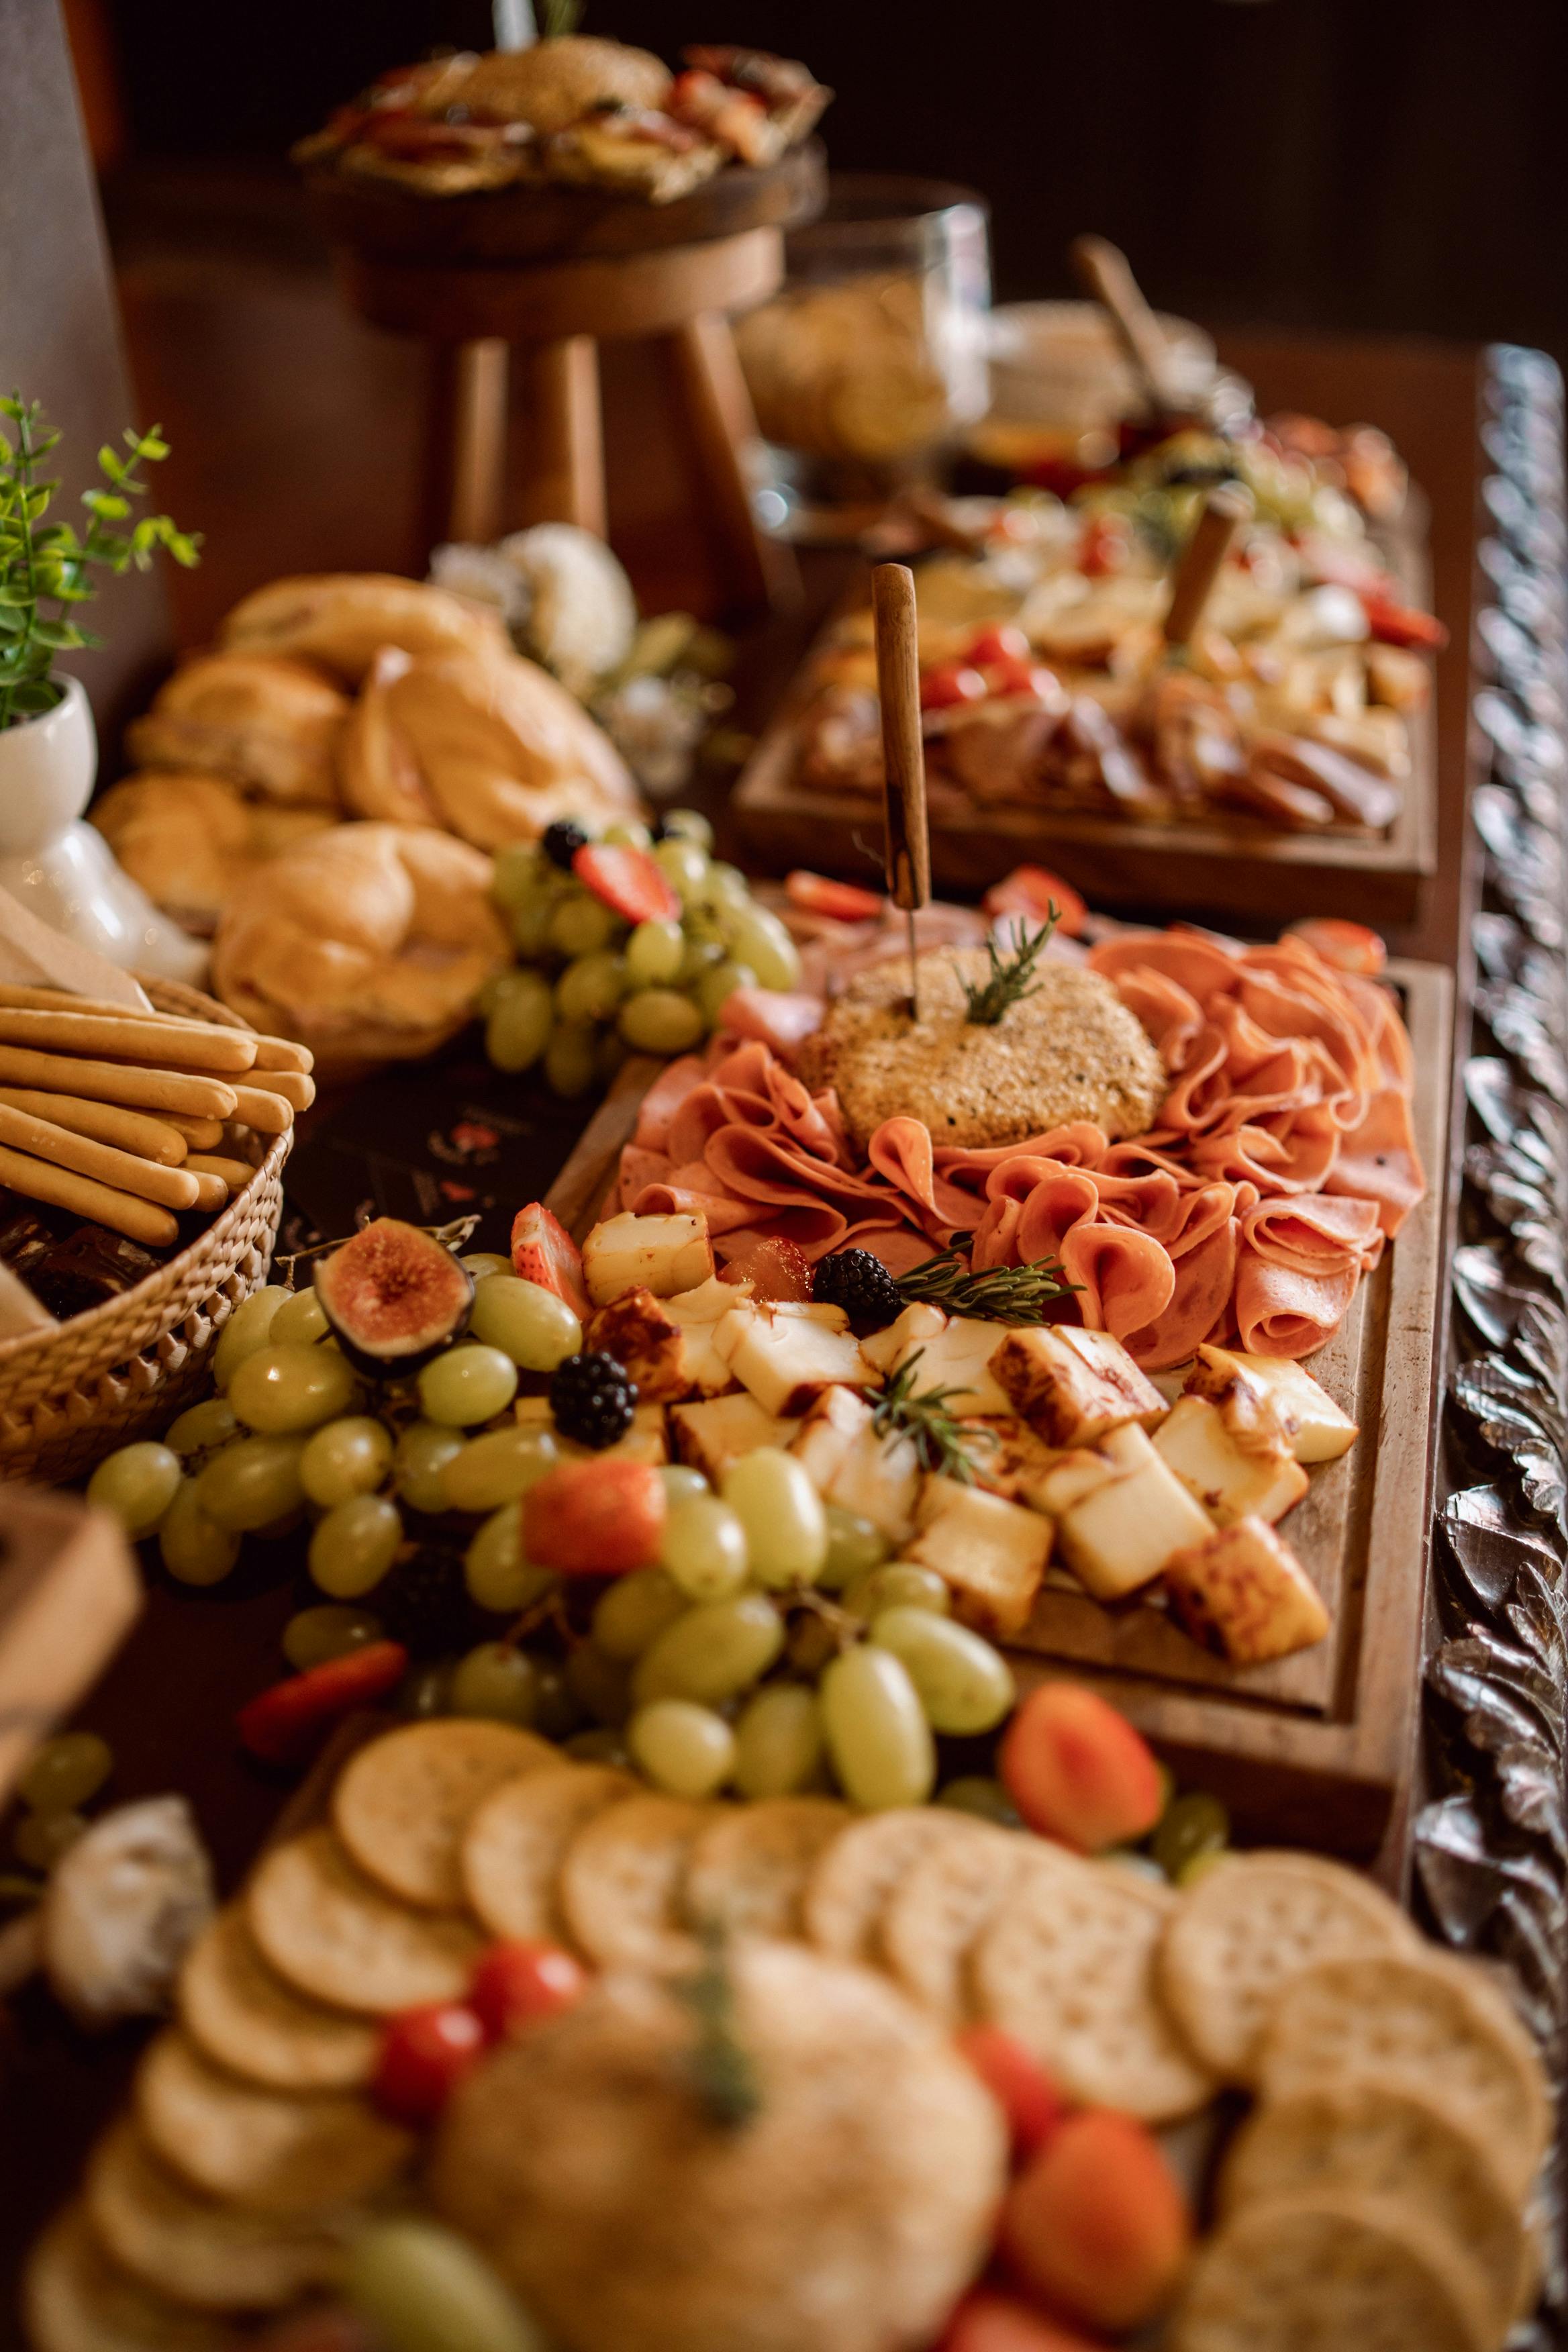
[723, 429]
[564, 478]
[464, 456]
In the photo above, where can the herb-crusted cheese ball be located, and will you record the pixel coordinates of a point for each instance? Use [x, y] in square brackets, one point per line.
[1070, 1050]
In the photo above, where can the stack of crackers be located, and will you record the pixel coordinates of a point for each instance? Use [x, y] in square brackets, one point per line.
[1374, 2194]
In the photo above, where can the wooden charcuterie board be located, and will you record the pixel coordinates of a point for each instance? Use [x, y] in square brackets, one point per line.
[1316, 1749]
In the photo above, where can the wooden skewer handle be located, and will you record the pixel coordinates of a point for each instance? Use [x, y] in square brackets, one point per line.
[1219, 517]
[1104, 272]
[903, 751]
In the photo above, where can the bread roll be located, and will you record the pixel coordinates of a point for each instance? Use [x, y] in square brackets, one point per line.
[268, 723]
[342, 619]
[192, 841]
[369, 942]
[553, 84]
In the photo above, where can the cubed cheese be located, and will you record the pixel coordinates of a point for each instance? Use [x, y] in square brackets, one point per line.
[1242, 1592]
[700, 1313]
[1074, 1386]
[990, 1553]
[1271, 1398]
[663, 1254]
[646, 1441]
[852, 1463]
[1120, 1535]
[638, 1330]
[787, 1354]
[1229, 1483]
[713, 1434]
[1005, 1456]
[915, 1328]
[1066, 1478]
[957, 1357]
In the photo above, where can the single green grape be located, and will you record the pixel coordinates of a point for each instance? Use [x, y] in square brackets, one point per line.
[556, 1715]
[466, 1385]
[626, 833]
[654, 954]
[280, 1390]
[423, 1452]
[680, 1482]
[525, 1321]
[660, 1020]
[986, 1799]
[194, 1548]
[897, 1584]
[1192, 1825]
[518, 1026]
[781, 1513]
[778, 1742]
[571, 1062]
[530, 926]
[754, 935]
[496, 1681]
[299, 1322]
[591, 988]
[515, 878]
[423, 2289]
[313, 1637]
[683, 864]
[634, 1610]
[684, 1749]
[247, 1328]
[495, 1570]
[711, 1653]
[40, 1839]
[425, 1690]
[354, 1545]
[582, 925]
[137, 1483]
[703, 1548]
[724, 885]
[481, 1263]
[602, 1687]
[65, 1772]
[498, 1467]
[879, 1741]
[688, 824]
[345, 1458]
[602, 1745]
[1198, 1865]
[700, 954]
[251, 1482]
[964, 1685]
[719, 983]
[855, 1546]
[201, 1426]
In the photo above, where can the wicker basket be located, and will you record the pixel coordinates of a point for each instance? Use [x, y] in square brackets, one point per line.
[123, 1370]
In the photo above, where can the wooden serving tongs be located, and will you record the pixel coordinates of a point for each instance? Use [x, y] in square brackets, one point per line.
[1105, 273]
[908, 852]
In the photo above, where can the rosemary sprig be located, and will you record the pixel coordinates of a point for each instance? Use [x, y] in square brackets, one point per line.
[1002, 1294]
[926, 1420]
[1010, 978]
[721, 2071]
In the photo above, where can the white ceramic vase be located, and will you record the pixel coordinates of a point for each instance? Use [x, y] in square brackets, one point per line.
[63, 871]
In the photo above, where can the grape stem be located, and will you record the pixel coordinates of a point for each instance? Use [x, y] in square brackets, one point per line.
[453, 1236]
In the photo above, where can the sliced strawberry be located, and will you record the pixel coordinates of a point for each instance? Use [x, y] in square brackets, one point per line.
[1033, 890]
[1349, 946]
[777, 1270]
[1393, 623]
[845, 901]
[603, 1517]
[542, 1251]
[627, 880]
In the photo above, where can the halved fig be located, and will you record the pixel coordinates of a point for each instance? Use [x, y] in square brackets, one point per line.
[394, 1298]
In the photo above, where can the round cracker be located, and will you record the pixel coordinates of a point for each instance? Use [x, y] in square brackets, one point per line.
[1249, 1924]
[1327, 2274]
[747, 1872]
[1068, 1968]
[947, 1898]
[622, 1881]
[402, 1804]
[1381, 2141]
[217, 2257]
[331, 1933]
[276, 2151]
[1426, 2022]
[853, 1881]
[242, 2015]
[75, 2298]
[516, 1842]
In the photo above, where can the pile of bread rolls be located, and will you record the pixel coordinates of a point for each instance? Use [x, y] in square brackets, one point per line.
[322, 795]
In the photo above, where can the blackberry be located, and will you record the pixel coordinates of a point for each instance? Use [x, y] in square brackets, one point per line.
[593, 1398]
[860, 1284]
[424, 1602]
[561, 841]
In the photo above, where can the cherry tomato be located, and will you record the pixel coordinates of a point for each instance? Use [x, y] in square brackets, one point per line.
[1349, 946]
[1000, 643]
[988, 2322]
[1401, 625]
[1033, 890]
[1018, 2083]
[423, 2055]
[951, 683]
[283, 1723]
[1105, 546]
[1011, 674]
[517, 1983]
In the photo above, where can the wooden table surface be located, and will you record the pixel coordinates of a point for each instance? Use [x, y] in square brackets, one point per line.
[167, 1703]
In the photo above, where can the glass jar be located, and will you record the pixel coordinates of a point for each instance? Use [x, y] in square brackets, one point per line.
[872, 358]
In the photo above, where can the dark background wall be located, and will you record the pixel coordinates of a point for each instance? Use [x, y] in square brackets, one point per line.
[1397, 165]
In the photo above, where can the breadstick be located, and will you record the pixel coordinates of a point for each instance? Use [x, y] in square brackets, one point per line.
[162, 1043]
[196, 1134]
[284, 1054]
[36, 1180]
[163, 1139]
[271, 1053]
[117, 1082]
[214, 1194]
[171, 1188]
[268, 1113]
[236, 1174]
[295, 1087]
